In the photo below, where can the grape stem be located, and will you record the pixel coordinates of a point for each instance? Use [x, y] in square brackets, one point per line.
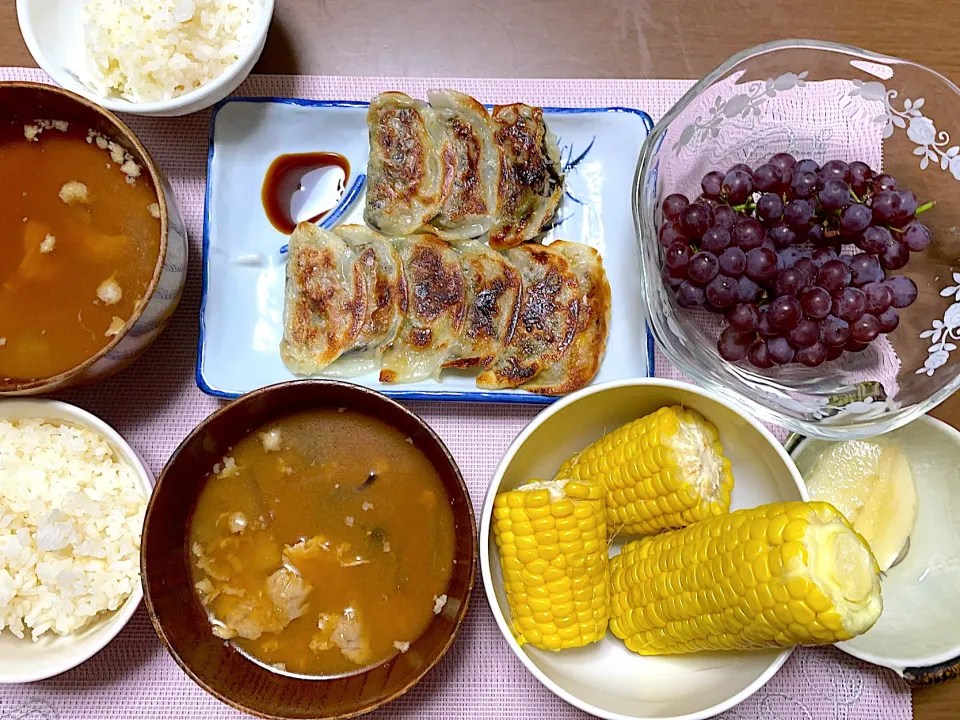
[926, 206]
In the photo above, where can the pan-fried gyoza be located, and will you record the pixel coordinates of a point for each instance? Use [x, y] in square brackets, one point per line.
[535, 318]
[451, 168]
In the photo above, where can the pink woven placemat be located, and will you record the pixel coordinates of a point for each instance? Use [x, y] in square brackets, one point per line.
[156, 403]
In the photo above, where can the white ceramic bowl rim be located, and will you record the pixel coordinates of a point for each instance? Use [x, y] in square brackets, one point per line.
[487, 514]
[253, 47]
[52, 410]
[641, 218]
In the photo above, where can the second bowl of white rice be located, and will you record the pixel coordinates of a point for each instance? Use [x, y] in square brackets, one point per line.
[72, 500]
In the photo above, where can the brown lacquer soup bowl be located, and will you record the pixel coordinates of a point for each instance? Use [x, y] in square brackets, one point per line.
[180, 618]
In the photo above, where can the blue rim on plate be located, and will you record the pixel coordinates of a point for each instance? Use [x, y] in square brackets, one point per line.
[478, 396]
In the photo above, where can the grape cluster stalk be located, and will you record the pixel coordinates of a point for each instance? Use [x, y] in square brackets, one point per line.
[764, 247]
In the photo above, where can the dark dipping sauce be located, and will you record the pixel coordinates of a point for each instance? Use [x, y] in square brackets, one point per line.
[303, 187]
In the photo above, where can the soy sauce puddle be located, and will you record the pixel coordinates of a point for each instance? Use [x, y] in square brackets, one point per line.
[303, 187]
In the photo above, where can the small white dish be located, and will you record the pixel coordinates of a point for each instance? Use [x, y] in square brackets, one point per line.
[53, 33]
[244, 269]
[605, 679]
[918, 634]
[22, 660]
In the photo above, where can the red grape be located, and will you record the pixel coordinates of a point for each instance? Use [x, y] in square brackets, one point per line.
[733, 262]
[804, 185]
[834, 195]
[747, 289]
[849, 303]
[758, 356]
[835, 170]
[703, 267]
[903, 291]
[806, 266]
[678, 256]
[885, 206]
[895, 255]
[860, 175]
[815, 302]
[854, 346]
[865, 269]
[916, 236]
[782, 235]
[669, 234]
[834, 332]
[865, 328]
[854, 219]
[788, 257]
[874, 239]
[764, 327]
[821, 256]
[769, 208]
[689, 295]
[908, 206]
[767, 178]
[879, 297]
[806, 165]
[744, 317]
[734, 345]
[761, 264]
[669, 280]
[743, 167]
[722, 292]
[785, 163]
[725, 217]
[833, 352]
[884, 182]
[813, 355]
[785, 312]
[805, 334]
[695, 219]
[673, 204]
[817, 235]
[779, 350]
[748, 234]
[834, 276]
[716, 240]
[798, 213]
[737, 186]
[790, 281]
[889, 319]
[711, 184]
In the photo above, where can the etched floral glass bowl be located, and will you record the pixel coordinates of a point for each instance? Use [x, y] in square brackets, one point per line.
[822, 101]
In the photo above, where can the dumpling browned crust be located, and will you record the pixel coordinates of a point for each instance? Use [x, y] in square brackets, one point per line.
[324, 305]
[470, 166]
[436, 308]
[404, 173]
[564, 320]
[530, 181]
[580, 362]
[493, 302]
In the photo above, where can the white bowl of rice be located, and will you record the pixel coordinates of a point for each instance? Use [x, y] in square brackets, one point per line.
[73, 495]
[149, 57]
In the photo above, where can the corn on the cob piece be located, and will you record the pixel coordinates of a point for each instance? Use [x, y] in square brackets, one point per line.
[777, 575]
[665, 470]
[552, 539]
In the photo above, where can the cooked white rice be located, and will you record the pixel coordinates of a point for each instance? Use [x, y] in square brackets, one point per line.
[71, 515]
[150, 50]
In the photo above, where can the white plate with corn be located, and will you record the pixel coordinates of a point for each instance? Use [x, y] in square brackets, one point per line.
[649, 552]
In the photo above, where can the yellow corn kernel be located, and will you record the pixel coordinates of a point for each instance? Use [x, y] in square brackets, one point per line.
[552, 540]
[699, 588]
[666, 470]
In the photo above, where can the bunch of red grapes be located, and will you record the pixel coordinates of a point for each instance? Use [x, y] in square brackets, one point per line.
[763, 246]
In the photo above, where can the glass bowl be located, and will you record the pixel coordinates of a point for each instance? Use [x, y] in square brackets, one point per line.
[822, 101]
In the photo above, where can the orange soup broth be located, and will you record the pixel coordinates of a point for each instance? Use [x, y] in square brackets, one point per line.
[399, 523]
[50, 315]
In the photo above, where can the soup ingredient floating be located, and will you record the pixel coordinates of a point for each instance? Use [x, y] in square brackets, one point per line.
[801, 258]
[872, 485]
[773, 576]
[663, 471]
[71, 515]
[323, 544]
[536, 317]
[453, 168]
[552, 538]
[153, 50]
[303, 187]
[80, 239]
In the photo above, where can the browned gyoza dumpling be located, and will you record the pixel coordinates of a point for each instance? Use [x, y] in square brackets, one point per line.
[324, 304]
[436, 308]
[564, 318]
[492, 288]
[404, 173]
[530, 181]
[470, 166]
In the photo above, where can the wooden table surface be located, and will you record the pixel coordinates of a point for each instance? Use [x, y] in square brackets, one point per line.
[580, 39]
